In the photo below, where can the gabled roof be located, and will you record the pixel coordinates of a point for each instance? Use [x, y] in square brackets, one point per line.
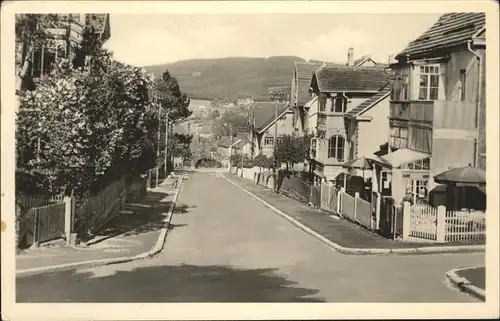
[361, 61]
[261, 114]
[303, 74]
[349, 79]
[369, 103]
[451, 30]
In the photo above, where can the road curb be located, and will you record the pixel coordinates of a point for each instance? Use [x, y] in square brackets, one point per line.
[362, 251]
[157, 248]
[464, 284]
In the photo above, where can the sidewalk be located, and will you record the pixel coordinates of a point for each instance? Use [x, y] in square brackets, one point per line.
[339, 231]
[471, 280]
[476, 276]
[133, 232]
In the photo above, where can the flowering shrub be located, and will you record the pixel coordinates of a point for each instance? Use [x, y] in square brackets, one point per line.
[80, 126]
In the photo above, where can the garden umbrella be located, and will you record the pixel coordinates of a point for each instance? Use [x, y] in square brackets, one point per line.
[358, 163]
[461, 176]
[468, 175]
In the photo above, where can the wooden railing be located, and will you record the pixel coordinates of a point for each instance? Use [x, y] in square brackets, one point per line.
[419, 111]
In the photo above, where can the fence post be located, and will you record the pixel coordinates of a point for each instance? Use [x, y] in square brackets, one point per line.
[441, 223]
[149, 179]
[356, 197]
[69, 210]
[35, 230]
[406, 220]
[329, 196]
[377, 213]
[157, 175]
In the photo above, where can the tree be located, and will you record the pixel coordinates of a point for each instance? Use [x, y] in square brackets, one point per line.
[214, 114]
[171, 98]
[230, 123]
[292, 150]
[180, 146]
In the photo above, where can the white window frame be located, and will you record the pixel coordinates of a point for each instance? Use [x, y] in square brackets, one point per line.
[397, 140]
[333, 147]
[427, 72]
[268, 141]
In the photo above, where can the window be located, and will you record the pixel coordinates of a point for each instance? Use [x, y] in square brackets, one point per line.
[279, 140]
[423, 164]
[45, 57]
[268, 141]
[336, 147]
[399, 137]
[429, 82]
[463, 80]
[404, 87]
[313, 147]
[417, 189]
[338, 105]
[322, 120]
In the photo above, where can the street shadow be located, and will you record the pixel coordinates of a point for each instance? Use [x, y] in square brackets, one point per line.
[179, 283]
[142, 216]
[182, 208]
[173, 226]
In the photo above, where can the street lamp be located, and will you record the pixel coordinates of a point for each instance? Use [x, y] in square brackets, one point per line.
[276, 96]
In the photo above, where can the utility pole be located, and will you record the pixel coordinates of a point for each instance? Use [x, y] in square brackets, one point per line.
[158, 145]
[166, 142]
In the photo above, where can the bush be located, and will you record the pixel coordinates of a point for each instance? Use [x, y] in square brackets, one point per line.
[259, 160]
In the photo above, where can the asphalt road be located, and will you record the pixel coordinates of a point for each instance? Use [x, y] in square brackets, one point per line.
[227, 247]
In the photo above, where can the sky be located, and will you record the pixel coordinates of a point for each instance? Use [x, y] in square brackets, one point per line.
[155, 39]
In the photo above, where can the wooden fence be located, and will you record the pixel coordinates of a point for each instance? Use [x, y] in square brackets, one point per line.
[329, 196]
[95, 211]
[348, 206]
[44, 218]
[464, 226]
[423, 221]
[363, 212]
[42, 224]
[438, 224]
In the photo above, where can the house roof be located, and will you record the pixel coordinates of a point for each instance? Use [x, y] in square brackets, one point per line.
[370, 102]
[451, 30]
[303, 74]
[349, 79]
[360, 62]
[263, 113]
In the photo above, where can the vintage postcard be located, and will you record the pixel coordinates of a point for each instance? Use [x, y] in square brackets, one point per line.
[242, 160]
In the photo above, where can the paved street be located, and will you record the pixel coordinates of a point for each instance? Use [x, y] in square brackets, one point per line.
[227, 247]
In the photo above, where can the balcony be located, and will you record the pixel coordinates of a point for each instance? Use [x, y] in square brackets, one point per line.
[439, 113]
[418, 111]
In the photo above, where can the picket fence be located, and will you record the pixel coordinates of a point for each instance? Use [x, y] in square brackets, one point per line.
[438, 224]
[421, 221]
[464, 226]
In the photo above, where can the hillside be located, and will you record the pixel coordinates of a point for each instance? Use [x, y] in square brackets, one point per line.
[230, 78]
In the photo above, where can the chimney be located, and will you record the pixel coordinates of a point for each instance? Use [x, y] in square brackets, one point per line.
[390, 59]
[350, 56]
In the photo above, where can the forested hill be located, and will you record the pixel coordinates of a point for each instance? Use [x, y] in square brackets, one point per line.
[230, 78]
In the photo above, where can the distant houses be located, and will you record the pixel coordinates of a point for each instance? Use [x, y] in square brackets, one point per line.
[262, 117]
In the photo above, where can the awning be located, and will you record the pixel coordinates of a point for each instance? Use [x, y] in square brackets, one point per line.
[402, 157]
